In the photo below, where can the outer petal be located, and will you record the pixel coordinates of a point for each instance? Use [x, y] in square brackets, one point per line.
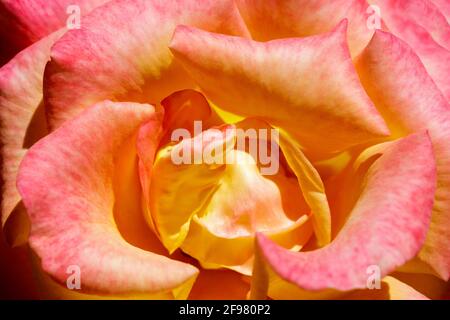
[297, 94]
[387, 227]
[409, 100]
[23, 22]
[121, 53]
[22, 118]
[300, 18]
[66, 182]
[420, 24]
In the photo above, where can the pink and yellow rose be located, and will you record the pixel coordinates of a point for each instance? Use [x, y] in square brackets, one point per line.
[362, 116]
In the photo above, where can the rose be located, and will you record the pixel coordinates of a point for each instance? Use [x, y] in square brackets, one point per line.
[364, 136]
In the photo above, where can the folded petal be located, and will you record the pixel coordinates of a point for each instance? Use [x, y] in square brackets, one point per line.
[387, 227]
[409, 100]
[22, 117]
[23, 22]
[312, 188]
[67, 184]
[422, 26]
[301, 18]
[298, 94]
[180, 111]
[121, 53]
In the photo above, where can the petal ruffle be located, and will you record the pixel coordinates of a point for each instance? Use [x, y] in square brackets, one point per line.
[120, 53]
[387, 228]
[409, 101]
[67, 185]
[298, 94]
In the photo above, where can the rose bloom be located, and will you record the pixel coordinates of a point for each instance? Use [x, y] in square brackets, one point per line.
[94, 205]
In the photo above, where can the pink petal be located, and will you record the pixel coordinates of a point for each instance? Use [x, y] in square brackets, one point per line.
[443, 6]
[273, 19]
[23, 22]
[408, 99]
[121, 53]
[297, 94]
[420, 24]
[66, 182]
[22, 118]
[387, 226]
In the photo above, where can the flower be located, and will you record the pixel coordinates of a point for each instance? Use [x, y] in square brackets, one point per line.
[282, 149]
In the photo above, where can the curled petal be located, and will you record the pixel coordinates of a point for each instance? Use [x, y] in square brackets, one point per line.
[312, 188]
[386, 228]
[298, 94]
[121, 53]
[301, 18]
[22, 117]
[67, 185]
[409, 100]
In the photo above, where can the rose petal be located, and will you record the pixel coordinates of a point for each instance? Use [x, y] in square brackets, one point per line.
[121, 53]
[66, 182]
[391, 289]
[244, 202]
[444, 7]
[408, 99]
[233, 73]
[420, 24]
[171, 180]
[219, 285]
[312, 188]
[387, 227]
[23, 22]
[22, 118]
[300, 18]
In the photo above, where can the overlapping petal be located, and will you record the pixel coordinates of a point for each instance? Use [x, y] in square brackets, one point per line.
[387, 227]
[409, 100]
[67, 182]
[121, 53]
[423, 26]
[300, 18]
[23, 22]
[298, 95]
[22, 118]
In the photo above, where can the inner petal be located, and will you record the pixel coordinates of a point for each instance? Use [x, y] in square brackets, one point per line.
[245, 202]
